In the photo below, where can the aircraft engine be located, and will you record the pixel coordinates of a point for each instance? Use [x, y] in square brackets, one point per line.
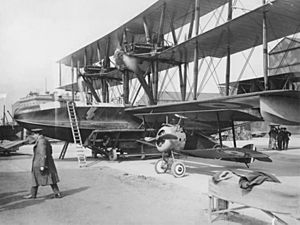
[166, 145]
[125, 61]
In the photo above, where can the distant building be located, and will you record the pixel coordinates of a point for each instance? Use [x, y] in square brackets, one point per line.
[285, 57]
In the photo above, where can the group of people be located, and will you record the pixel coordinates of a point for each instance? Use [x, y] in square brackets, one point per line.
[279, 138]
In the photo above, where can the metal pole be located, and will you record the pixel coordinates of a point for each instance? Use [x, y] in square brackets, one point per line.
[265, 49]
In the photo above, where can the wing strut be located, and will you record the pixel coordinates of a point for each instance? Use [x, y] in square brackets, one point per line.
[265, 49]
[196, 51]
[233, 133]
[219, 130]
[146, 88]
[228, 48]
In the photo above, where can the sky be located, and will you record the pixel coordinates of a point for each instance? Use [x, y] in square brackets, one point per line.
[35, 34]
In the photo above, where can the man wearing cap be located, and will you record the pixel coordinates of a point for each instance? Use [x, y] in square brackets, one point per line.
[43, 170]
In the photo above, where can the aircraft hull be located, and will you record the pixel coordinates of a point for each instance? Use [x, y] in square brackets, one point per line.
[280, 110]
[55, 121]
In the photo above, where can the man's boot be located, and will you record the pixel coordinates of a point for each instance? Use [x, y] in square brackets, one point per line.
[32, 194]
[56, 191]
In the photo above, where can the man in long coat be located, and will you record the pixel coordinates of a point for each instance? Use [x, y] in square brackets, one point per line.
[43, 170]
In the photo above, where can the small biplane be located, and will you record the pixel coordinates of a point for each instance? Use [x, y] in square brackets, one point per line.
[7, 147]
[142, 50]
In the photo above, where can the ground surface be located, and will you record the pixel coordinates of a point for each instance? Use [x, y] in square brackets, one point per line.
[128, 192]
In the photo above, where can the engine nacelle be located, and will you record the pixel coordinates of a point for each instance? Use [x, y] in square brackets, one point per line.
[166, 145]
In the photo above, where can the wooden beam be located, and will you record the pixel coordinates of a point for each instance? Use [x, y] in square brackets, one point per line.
[85, 58]
[91, 87]
[196, 65]
[146, 88]
[219, 130]
[185, 71]
[98, 52]
[107, 61]
[191, 25]
[107, 91]
[124, 39]
[125, 77]
[233, 133]
[181, 82]
[196, 51]
[104, 97]
[173, 33]
[155, 80]
[197, 16]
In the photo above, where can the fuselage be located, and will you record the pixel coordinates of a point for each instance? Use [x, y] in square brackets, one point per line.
[53, 117]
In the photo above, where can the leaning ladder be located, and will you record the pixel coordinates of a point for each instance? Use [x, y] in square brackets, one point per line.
[76, 134]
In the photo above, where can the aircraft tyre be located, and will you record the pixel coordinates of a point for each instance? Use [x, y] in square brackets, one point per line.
[112, 155]
[161, 166]
[178, 169]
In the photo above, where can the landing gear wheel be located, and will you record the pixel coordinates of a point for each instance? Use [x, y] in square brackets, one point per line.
[112, 155]
[161, 166]
[178, 169]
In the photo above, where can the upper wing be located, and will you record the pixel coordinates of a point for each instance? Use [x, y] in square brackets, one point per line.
[241, 33]
[177, 12]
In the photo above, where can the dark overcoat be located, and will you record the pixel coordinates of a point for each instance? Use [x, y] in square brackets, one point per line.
[42, 157]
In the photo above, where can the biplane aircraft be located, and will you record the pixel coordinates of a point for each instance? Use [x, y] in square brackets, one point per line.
[7, 147]
[142, 50]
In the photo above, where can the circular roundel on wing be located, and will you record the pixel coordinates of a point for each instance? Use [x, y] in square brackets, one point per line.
[224, 105]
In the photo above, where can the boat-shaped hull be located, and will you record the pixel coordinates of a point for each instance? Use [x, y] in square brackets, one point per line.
[56, 124]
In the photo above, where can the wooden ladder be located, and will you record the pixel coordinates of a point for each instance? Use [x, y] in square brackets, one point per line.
[76, 134]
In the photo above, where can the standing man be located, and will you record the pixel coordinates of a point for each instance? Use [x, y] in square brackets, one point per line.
[272, 138]
[280, 139]
[286, 138]
[43, 171]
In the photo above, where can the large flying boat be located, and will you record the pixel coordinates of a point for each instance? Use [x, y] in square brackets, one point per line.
[136, 58]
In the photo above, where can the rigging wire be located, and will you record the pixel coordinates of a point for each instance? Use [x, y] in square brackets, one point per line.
[242, 71]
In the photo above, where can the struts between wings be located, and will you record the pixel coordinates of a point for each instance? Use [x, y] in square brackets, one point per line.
[141, 50]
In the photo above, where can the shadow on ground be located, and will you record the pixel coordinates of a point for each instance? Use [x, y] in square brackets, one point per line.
[15, 200]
